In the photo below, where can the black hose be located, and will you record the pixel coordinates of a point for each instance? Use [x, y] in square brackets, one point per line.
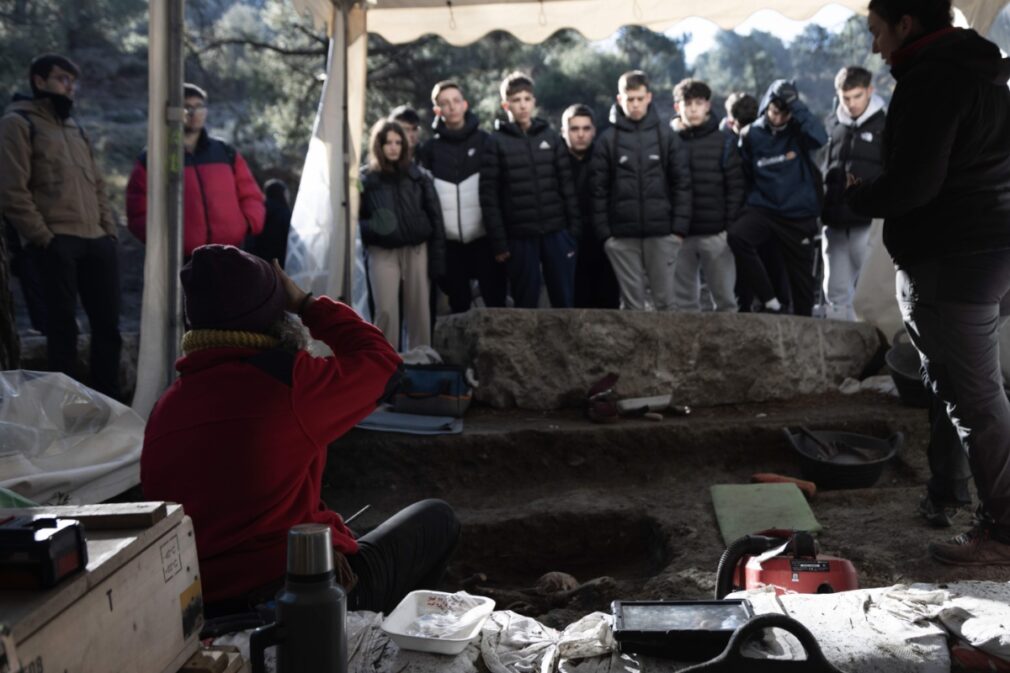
[748, 545]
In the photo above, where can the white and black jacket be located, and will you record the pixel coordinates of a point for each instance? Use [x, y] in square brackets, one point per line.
[453, 157]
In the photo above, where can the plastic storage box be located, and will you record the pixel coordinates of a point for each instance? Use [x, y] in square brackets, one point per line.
[435, 621]
[681, 630]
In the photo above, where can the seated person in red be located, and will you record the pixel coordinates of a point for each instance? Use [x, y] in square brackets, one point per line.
[240, 439]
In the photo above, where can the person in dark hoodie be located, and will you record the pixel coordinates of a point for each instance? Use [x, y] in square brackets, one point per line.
[784, 199]
[453, 156]
[53, 194]
[641, 195]
[528, 200]
[944, 194]
[595, 282]
[717, 192]
[855, 137]
[402, 230]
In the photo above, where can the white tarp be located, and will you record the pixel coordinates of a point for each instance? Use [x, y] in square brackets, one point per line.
[63, 443]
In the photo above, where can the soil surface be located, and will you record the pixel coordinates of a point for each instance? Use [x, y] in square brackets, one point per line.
[625, 508]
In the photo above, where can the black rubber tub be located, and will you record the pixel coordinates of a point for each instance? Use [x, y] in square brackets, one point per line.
[834, 460]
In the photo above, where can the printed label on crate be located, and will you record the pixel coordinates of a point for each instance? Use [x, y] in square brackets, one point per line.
[171, 557]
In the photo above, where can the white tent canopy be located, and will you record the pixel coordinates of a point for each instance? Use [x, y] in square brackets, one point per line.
[323, 216]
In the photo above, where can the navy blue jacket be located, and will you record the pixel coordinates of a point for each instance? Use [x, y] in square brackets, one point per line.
[782, 174]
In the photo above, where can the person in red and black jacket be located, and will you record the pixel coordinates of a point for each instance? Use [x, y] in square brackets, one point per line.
[240, 439]
[223, 204]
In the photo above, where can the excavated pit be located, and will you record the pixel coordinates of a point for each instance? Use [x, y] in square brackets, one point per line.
[625, 508]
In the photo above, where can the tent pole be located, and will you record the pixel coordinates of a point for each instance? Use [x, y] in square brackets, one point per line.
[348, 262]
[174, 174]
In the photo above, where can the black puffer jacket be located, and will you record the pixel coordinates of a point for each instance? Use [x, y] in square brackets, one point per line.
[402, 209]
[583, 189]
[641, 180]
[854, 146]
[945, 188]
[718, 187]
[526, 184]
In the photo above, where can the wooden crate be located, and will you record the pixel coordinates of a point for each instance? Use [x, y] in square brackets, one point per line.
[138, 607]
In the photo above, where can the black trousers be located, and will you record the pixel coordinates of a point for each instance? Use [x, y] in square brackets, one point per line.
[953, 308]
[798, 245]
[408, 551]
[464, 261]
[26, 266]
[90, 267]
[595, 282]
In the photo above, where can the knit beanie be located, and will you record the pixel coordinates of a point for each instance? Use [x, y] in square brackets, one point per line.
[229, 289]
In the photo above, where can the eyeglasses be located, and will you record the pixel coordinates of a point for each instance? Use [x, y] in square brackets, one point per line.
[65, 80]
[194, 109]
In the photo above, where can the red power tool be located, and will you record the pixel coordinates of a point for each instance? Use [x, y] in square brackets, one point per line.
[785, 560]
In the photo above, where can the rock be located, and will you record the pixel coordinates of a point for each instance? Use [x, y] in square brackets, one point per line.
[547, 359]
[33, 357]
[554, 582]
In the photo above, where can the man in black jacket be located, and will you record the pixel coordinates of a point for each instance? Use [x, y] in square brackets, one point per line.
[595, 283]
[855, 137]
[945, 195]
[528, 200]
[641, 195]
[453, 156]
[717, 192]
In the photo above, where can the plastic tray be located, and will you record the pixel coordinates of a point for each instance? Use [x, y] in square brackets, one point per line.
[419, 603]
[682, 630]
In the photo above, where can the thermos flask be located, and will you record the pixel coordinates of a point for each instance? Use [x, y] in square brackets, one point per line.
[311, 610]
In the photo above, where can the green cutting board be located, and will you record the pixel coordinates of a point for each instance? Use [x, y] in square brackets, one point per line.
[743, 509]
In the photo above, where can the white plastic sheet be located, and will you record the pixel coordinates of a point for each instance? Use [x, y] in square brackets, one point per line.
[63, 443]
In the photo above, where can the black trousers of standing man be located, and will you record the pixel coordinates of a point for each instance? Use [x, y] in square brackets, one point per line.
[798, 244]
[87, 266]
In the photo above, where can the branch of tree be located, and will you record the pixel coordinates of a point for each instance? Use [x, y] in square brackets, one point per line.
[256, 44]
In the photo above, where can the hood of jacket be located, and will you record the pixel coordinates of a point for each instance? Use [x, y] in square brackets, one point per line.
[537, 126]
[964, 49]
[621, 121]
[707, 127]
[876, 105]
[470, 125]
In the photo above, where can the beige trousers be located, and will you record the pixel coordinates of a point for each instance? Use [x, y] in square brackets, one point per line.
[387, 268]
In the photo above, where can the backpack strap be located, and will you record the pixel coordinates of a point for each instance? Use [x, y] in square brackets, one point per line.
[31, 125]
[230, 152]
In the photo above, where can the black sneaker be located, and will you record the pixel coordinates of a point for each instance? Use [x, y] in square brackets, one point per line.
[976, 547]
[941, 515]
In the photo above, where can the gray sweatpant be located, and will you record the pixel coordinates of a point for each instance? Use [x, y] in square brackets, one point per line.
[641, 263]
[710, 254]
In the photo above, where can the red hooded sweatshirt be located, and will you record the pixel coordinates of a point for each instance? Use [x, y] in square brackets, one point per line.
[243, 450]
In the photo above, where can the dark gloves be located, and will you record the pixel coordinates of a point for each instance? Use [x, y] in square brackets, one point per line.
[784, 93]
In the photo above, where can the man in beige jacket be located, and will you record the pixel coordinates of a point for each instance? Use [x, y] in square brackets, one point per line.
[52, 193]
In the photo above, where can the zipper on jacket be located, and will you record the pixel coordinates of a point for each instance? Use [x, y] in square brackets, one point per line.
[459, 212]
[203, 198]
[641, 185]
[536, 180]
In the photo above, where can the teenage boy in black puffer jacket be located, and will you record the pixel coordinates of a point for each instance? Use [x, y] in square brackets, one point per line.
[641, 195]
[855, 145]
[528, 200]
[717, 189]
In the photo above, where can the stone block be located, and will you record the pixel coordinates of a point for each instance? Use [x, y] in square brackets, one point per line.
[547, 359]
[33, 357]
